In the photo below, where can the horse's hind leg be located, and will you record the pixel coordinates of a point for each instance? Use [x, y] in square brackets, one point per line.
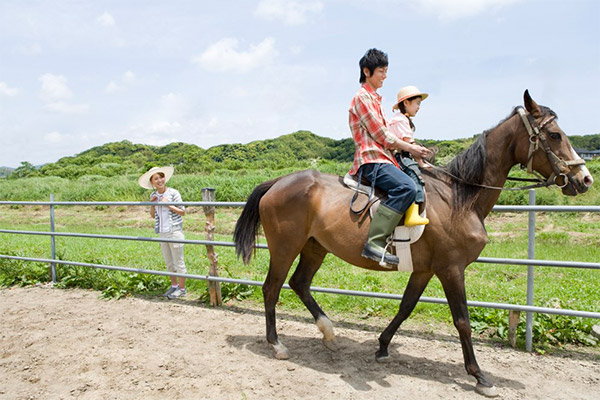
[416, 284]
[311, 258]
[279, 266]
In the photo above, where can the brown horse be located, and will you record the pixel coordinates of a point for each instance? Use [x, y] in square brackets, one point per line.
[308, 213]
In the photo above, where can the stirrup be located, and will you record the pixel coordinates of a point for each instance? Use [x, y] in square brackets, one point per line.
[369, 253]
[388, 243]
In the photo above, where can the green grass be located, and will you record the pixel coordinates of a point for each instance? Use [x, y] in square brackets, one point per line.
[554, 287]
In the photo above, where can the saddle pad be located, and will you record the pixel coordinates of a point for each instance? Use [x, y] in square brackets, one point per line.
[353, 184]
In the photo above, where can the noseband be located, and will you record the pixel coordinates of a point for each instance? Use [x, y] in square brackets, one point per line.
[560, 167]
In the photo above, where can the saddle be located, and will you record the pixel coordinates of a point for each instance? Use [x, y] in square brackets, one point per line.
[403, 236]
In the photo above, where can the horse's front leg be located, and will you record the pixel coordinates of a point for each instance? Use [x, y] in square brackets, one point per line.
[453, 282]
[416, 284]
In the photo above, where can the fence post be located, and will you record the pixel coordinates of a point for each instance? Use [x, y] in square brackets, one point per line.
[530, 272]
[513, 321]
[52, 271]
[214, 288]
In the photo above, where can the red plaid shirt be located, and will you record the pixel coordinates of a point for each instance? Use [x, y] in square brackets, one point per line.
[372, 138]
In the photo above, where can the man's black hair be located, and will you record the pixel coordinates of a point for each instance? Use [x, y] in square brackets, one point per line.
[372, 59]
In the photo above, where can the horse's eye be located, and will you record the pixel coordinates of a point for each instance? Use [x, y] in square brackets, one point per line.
[554, 135]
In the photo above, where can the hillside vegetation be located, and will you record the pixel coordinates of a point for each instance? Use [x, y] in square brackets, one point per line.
[122, 158]
[109, 172]
[296, 150]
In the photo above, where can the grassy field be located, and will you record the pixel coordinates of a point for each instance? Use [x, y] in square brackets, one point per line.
[568, 237]
[564, 236]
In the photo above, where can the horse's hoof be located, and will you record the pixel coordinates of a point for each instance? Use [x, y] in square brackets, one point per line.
[487, 391]
[331, 345]
[383, 359]
[326, 327]
[280, 352]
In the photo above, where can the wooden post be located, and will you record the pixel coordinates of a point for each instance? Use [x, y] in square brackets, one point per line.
[214, 288]
[513, 321]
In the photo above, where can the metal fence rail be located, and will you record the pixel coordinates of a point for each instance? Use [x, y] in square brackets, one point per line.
[530, 262]
[379, 295]
[484, 260]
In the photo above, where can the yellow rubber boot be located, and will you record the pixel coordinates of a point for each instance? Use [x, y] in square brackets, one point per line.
[412, 217]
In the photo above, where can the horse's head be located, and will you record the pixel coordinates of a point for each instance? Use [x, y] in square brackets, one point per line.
[549, 151]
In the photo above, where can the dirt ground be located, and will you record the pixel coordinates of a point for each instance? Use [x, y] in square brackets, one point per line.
[63, 344]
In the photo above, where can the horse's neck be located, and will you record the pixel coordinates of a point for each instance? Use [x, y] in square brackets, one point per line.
[500, 159]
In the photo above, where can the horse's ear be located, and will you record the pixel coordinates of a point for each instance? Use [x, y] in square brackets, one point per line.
[531, 105]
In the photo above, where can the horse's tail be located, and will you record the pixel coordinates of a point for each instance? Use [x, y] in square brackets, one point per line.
[246, 227]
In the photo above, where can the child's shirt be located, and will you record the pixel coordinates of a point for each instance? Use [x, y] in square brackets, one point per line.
[166, 220]
[399, 125]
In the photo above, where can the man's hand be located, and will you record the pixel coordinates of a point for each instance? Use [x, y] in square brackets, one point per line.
[419, 152]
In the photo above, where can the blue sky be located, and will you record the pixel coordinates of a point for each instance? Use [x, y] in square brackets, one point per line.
[77, 74]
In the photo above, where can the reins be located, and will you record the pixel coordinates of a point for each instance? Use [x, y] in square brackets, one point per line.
[539, 183]
[560, 167]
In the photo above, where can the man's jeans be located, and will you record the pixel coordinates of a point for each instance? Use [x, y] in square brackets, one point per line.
[400, 188]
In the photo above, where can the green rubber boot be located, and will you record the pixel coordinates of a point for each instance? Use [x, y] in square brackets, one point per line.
[383, 224]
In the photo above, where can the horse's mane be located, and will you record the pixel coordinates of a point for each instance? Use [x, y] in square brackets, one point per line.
[469, 166]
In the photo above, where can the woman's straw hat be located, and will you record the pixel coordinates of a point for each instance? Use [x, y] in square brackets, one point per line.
[406, 93]
[144, 180]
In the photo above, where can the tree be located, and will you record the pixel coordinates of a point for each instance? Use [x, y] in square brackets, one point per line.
[26, 170]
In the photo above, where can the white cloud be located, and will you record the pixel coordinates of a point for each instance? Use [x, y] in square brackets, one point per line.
[450, 10]
[55, 91]
[112, 87]
[128, 78]
[53, 137]
[170, 120]
[289, 11]
[7, 91]
[106, 19]
[224, 56]
[62, 107]
[165, 127]
[54, 88]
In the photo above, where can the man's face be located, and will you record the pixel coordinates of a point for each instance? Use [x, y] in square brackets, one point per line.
[375, 80]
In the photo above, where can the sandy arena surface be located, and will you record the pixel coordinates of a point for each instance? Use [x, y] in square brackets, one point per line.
[65, 344]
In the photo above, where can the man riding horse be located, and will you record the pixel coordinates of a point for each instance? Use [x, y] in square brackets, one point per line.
[374, 159]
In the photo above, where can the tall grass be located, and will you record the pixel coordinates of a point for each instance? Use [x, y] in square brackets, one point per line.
[229, 185]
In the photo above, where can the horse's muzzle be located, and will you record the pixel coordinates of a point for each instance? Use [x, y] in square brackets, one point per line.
[578, 183]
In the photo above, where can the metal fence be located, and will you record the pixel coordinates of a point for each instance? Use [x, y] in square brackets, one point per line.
[530, 262]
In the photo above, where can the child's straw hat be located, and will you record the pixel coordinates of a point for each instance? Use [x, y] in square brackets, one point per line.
[144, 180]
[406, 93]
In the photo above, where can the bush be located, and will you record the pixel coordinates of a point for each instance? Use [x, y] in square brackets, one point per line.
[22, 273]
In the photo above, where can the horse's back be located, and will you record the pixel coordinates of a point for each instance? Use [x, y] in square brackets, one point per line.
[308, 188]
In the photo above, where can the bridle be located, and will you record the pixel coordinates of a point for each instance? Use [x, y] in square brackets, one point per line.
[560, 167]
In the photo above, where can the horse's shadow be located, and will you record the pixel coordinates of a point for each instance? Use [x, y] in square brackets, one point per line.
[354, 362]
